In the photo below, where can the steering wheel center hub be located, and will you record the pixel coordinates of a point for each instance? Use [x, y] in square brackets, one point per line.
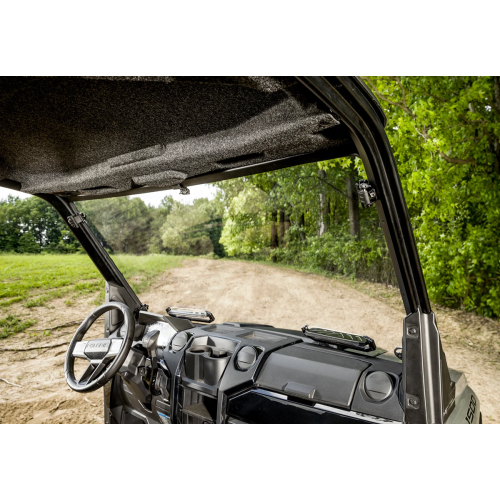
[97, 349]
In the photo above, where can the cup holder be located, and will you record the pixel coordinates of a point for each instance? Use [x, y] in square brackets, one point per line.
[206, 364]
[218, 352]
[200, 349]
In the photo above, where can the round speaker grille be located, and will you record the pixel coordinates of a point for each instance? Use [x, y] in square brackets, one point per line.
[246, 358]
[179, 341]
[378, 386]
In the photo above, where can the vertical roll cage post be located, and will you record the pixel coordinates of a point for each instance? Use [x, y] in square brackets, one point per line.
[429, 391]
[99, 256]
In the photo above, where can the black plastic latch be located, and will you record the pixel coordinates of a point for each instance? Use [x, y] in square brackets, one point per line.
[137, 310]
[367, 194]
[76, 220]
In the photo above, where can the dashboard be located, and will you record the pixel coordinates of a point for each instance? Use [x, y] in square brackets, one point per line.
[239, 373]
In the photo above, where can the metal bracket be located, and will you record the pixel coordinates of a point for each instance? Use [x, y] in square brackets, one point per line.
[137, 310]
[76, 220]
[367, 194]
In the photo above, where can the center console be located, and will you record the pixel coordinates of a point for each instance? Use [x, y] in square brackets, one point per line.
[205, 361]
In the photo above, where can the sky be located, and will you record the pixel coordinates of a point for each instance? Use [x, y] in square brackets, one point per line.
[202, 191]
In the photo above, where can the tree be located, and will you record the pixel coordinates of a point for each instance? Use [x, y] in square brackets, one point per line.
[445, 136]
[36, 217]
[193, 229]
[323, 207]
[246, 226]
[353, 202]
[28, 244]
[124, 222]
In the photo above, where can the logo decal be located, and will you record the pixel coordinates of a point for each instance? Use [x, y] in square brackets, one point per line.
[472, 409]
[97, 349]
[98, 345]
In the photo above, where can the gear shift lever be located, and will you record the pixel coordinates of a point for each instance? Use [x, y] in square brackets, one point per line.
[149, 342]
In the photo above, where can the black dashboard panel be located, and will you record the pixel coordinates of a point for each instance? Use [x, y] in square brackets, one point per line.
[245, 373]
[313, 372]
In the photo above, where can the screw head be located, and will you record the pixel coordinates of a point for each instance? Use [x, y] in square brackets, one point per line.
[412, 330]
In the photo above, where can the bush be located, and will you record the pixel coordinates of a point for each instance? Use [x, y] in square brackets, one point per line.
[367, 259]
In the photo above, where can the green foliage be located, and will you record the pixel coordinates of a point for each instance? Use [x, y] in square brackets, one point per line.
[128, 225]
[12, 324]
[249, 203]
[246, 228]
[339, 253]
[191, 229]
[28, 244]
[445, 136]
[30, 225]
[122, 225]
[123, 222]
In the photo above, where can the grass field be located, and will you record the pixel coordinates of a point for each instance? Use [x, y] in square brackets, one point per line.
[34, 280]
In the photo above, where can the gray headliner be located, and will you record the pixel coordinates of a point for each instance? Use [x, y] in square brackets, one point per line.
[107, 136]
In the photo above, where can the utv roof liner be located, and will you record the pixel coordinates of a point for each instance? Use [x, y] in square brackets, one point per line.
[94, 137]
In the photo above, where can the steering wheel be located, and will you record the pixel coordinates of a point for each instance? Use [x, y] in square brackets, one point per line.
[105, 356]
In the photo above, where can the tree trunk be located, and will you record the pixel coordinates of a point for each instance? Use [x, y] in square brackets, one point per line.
[322, 208]
[326, 214]
[287, 227]
[496, 144]
[274, 233]
[282, 228]
[352, 197]
[302, 224]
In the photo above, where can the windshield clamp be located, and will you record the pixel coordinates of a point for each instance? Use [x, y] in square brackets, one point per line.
[76, 220]
[137, 310]
[367, 194]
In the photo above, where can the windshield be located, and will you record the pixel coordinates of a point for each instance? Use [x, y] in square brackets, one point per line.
[259, 249]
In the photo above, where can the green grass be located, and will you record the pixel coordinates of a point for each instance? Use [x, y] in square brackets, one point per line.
[34, 280]
[22, 274]
[12, 324]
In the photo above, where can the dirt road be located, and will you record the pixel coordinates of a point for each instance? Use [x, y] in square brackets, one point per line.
[242, 291]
